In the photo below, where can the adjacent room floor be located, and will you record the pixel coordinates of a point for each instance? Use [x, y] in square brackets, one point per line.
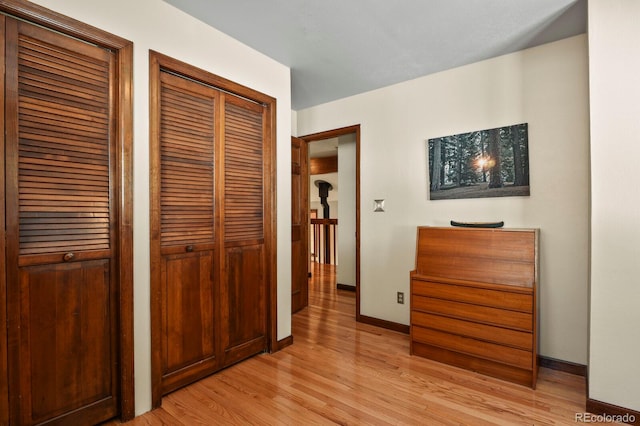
[341, 372]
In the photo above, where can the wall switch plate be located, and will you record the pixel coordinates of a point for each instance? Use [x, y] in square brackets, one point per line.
[400, 297]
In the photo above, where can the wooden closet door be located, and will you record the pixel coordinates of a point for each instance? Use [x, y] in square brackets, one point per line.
[184, 230]
[62, 285]
[244, 293]
[211, 195]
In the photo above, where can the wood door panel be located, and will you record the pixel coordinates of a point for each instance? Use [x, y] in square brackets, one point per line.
[243, 171]
[183, 231]
[188, 322]
[299, 225]
[61, 196]
[244, 307]
[65, 116]
[66, 341]
[244, 279]
[4, 370]
[186, 162]
[63, 125]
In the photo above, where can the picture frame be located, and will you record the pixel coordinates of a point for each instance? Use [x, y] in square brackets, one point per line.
[480, 164]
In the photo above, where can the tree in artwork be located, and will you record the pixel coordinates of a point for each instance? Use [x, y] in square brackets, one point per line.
[484, 163]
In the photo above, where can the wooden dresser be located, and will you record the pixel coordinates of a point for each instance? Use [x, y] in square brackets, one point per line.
[473, 300]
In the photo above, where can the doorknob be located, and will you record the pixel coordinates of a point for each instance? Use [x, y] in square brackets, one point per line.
[189, 248]
[68, 257]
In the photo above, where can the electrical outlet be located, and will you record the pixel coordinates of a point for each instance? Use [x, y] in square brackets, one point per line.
[400, 297]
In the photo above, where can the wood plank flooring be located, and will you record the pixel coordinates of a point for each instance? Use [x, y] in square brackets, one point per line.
[342, 372]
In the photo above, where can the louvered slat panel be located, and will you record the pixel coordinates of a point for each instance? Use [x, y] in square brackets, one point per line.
[63, 172]
[244, 206]
[186, 172]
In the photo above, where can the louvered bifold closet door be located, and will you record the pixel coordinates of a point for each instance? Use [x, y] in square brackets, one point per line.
[244, 306]
[186, 233]
[62, 285]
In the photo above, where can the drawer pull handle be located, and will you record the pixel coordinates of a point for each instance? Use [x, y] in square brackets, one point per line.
[189, 248]
[68, 257]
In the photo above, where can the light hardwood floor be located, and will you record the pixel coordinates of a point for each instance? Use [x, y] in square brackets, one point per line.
[342, 372]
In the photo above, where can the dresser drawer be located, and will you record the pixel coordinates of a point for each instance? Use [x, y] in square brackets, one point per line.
[487, 350]
[485, 314]
[489, 333]
[516, 301]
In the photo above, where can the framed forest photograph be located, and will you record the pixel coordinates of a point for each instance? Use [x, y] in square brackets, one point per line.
[480, 164]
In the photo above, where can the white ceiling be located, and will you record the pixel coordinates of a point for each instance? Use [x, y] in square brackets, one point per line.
[339, 48]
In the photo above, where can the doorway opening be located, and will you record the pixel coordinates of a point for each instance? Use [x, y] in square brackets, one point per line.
[334, 195]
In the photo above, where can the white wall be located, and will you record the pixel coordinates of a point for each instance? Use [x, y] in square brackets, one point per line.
[153, 24]
[614, 67]
[346, 271]
[294, 123]
[545, 86]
